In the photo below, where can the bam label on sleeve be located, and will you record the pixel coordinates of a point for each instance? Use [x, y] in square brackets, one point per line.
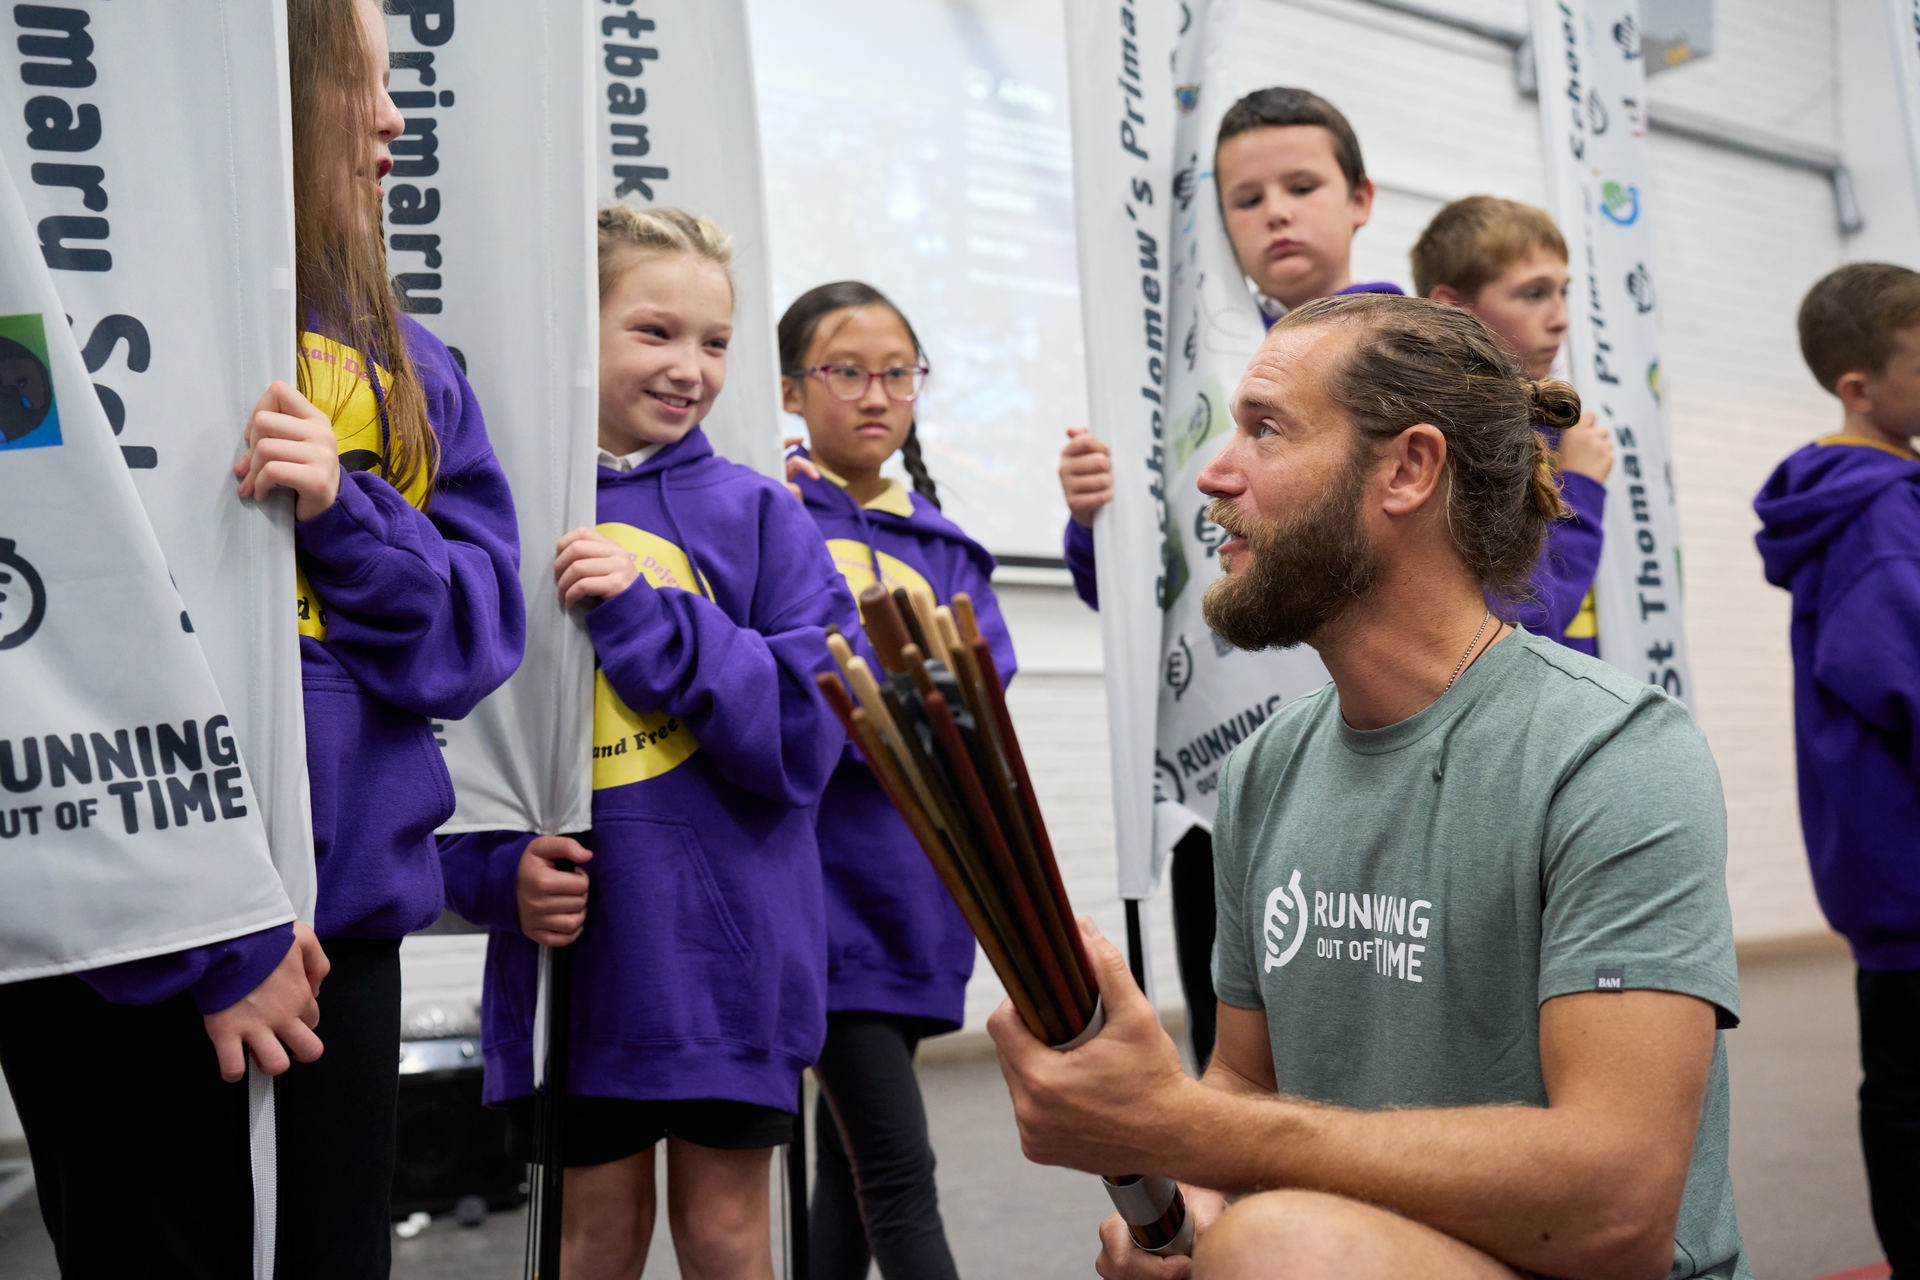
[1609, 979]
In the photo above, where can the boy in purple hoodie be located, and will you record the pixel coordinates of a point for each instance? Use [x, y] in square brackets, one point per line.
[699, 970]
[1841, 531]
[899, 953]
[1507, 263]
[1293, 191]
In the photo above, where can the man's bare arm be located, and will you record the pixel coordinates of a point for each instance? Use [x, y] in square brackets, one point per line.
[1588, 1186]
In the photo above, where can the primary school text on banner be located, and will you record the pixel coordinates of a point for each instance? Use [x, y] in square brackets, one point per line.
[496, 100]
[169, 235]
[128, 824]
[676, 125]
[1593, 114]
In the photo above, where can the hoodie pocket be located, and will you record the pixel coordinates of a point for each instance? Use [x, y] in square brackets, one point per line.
[670, 960]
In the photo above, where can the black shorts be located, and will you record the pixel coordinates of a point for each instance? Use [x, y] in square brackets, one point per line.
[601, 1130]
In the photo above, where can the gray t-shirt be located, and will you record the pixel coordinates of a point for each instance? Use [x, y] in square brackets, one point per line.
[1400, 901]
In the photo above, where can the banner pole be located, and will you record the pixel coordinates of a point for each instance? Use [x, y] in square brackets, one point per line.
[545, 1205]
[1136, 944]
[799, 1243]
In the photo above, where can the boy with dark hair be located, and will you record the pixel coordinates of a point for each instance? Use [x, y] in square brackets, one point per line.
[1293, 190]
[1841, 531]
[1506, 262]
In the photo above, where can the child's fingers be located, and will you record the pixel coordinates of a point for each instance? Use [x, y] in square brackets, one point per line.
[583, 549]
[574, 535]
[603, 569]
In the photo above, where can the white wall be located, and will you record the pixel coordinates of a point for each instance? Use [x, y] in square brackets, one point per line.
[1737, 242]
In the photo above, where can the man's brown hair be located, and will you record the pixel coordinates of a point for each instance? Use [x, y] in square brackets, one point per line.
[1471, 241]
[1848, 320]
[1280, 107]
[1414, 360]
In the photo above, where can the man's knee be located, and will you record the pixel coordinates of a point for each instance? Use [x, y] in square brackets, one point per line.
[1284, 1235]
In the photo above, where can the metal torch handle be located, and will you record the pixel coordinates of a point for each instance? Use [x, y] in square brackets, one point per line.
[1155, 1213]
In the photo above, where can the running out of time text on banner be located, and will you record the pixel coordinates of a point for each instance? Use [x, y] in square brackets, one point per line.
[128, 824]
[151, 149]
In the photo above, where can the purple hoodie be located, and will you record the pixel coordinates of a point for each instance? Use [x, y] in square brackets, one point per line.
[1562, 584]
[1841, 531]
[1077, 541]
[423, 618]
[896, 943]
[701, 972]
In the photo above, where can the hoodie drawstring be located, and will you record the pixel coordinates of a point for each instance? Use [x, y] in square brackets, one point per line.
[673, 522]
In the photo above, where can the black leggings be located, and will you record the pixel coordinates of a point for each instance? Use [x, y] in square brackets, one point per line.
[873, 1197]
[140, 1150]
[1890, 1110]
[1193, 929]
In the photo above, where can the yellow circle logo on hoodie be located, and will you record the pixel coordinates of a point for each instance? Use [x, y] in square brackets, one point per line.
[850, 558]
[631, 746]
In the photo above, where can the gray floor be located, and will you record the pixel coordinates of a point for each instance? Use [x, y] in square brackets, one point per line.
[1796, 1162]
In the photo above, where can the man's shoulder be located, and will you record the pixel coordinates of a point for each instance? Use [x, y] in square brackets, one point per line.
[1285, 728]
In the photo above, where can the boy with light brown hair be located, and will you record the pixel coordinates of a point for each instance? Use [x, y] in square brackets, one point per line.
[1506, 262]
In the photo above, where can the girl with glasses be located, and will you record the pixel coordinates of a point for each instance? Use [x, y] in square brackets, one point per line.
[898, 951]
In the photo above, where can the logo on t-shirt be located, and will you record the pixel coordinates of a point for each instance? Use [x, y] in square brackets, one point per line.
[1286, 906]
[1609, 979]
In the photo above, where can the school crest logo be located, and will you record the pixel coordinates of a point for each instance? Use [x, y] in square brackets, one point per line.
[1286, 910]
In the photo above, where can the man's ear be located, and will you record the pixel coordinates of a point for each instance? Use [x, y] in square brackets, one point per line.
[1855, 390]
[1447, 293]
[790, 394]
[1418, 458]
[1361, 199]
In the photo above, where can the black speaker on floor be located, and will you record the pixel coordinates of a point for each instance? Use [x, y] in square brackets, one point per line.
[450, 1148]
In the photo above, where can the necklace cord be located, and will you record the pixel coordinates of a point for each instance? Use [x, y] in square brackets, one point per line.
[1473, 644]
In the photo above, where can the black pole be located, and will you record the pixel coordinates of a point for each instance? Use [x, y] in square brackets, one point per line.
[799, 1262]
[544, 1204]
[1136, 944]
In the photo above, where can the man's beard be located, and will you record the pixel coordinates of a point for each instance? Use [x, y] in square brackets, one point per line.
[1302, 573]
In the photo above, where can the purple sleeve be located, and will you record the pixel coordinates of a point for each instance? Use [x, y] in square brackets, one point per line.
[1569, 560]
[1866, 656]
[1078, 544]
[424, 609]
[986, 611]
[482, 872]
[746, 692]
[218, 975]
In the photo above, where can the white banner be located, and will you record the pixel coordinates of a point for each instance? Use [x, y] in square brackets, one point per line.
[1211, 694]
[128, 826]
[156, 168]
[1171, 326]
[1593, 113]
[1903, 24]
[1123, 127]
[490, 236]
[677, 125]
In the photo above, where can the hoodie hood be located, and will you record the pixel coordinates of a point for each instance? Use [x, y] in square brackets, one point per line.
[1819, 492]
[835, 511]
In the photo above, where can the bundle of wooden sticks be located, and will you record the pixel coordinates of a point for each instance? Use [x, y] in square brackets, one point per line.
[933, 726]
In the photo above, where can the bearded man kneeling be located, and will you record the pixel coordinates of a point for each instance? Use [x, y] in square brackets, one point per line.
[1474, 955]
